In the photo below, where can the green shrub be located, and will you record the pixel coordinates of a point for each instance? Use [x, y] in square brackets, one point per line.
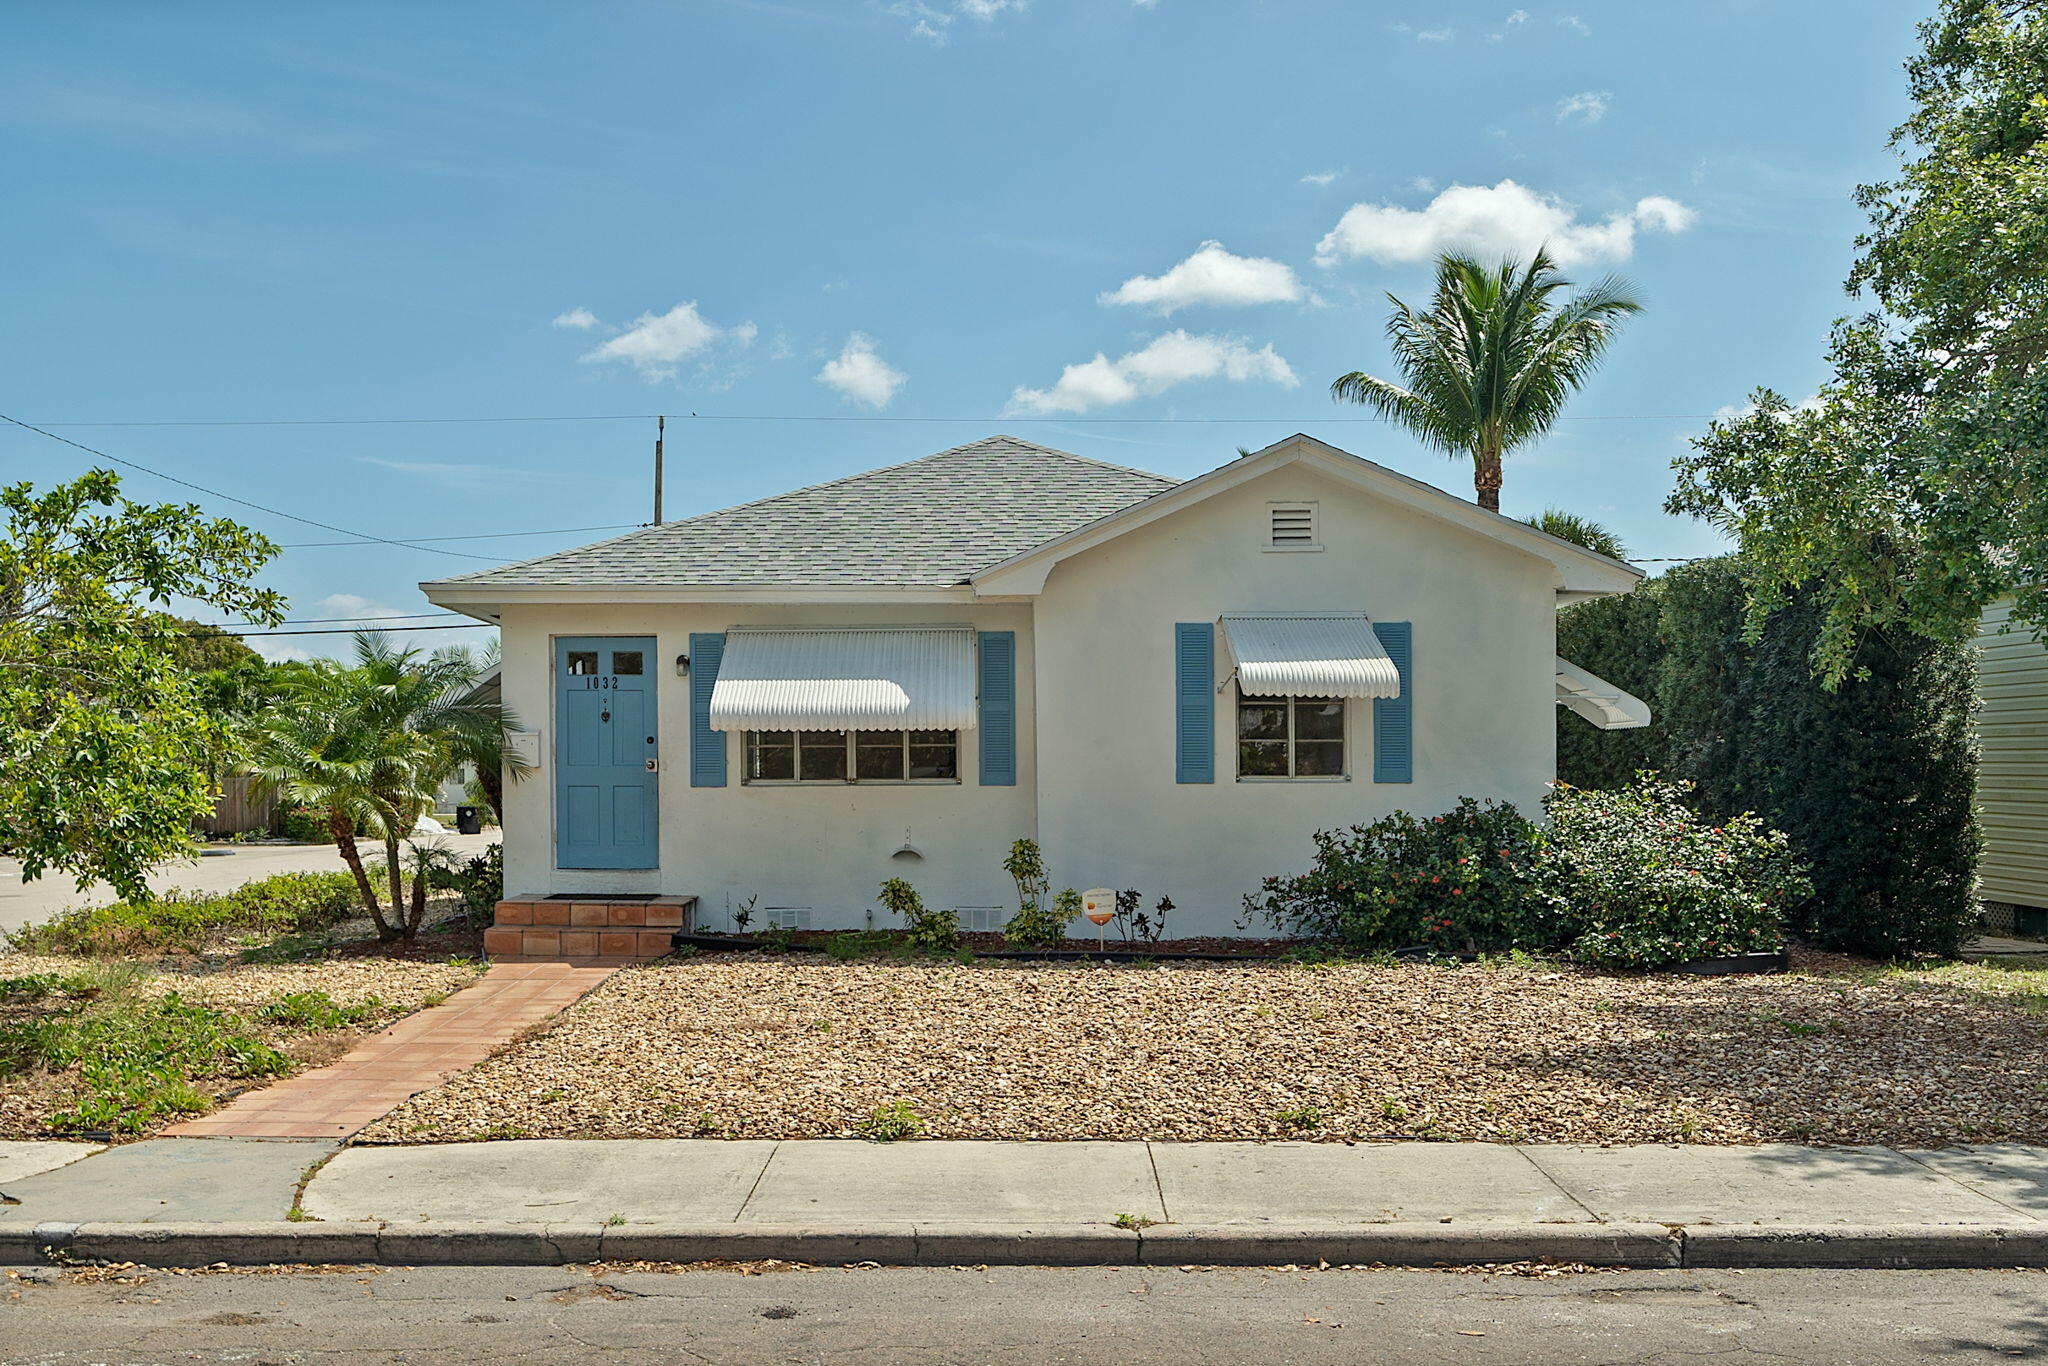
[482, 883]
[1460, 880]
[315, 1010]
[306, 825]
[892, 1122]
[1036, 925]
[1873, 782]
[187, 922]
[1635, 878]
[930, 931]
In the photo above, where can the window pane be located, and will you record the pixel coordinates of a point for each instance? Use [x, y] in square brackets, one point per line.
[934, 761]
[1262, 718]
[771, 756]
[878, 754]
[1262, 758]
[1319, 759]
[582, 661]
[822, 755]
[1319, 718]
[625, 661]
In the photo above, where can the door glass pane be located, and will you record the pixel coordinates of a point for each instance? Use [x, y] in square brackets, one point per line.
[934, 754]
[822, 756]
[1319, 718]
[1262, 758]
[878, 754]
[625, 661]
[1262, 718]
[1319, 759]
[582, 661]
[771, 755]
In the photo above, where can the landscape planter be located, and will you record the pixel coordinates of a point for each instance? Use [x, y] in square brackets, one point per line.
[1733, 966]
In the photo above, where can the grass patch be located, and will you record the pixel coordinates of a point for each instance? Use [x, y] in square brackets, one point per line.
[2022, 982]
[284, 904]
[312, 1011]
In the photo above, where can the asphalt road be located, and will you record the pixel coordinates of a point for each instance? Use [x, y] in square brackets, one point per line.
[876, 1317]
[220, 868]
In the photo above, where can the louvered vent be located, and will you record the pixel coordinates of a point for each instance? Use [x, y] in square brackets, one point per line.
[1293, 526]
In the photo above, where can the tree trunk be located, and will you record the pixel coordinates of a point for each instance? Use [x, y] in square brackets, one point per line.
[417, 911]
[1486, 478]
[396, 872]
[344, 831]
[491, 778]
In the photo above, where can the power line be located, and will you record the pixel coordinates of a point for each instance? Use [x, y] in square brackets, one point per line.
[229, 497]
[473, 536]
[825, 417]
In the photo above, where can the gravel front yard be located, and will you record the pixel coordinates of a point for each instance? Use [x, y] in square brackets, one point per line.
[777, 1048]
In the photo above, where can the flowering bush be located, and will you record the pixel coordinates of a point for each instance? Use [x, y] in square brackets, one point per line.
[1461, 880]
[1637, 879]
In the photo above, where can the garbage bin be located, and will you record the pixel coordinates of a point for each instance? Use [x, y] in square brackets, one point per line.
[468, 821]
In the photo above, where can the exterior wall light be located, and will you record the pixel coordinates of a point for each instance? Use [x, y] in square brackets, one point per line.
[682, 666]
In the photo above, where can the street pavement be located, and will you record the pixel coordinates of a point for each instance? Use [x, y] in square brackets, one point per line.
[570, 1316]
[219, 868]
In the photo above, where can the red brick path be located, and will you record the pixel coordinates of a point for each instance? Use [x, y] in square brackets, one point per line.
[380, 1072]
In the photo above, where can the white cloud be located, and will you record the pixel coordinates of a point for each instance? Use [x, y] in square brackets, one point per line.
[1502, 220]
[1422, 184]
[1588, 106]
[654, 343]
[1515, 19]
[935, 22]
[862, 375]
[1168, 360]
[1211, 276]
[1320, 178]
[343, 614]
[1427, 35]
[582, 319]
[1576, 25]
[1520, 16]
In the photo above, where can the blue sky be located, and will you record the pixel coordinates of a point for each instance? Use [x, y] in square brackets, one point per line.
[851, 209]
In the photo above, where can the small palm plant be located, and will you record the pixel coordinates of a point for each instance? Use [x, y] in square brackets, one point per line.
[370, 743]
[1490, 365]
[1580, 531]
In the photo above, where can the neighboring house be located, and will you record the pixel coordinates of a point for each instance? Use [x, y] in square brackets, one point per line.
[1170, 686]
[2012, 774]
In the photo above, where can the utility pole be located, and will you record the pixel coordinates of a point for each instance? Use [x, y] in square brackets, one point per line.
[660, 426]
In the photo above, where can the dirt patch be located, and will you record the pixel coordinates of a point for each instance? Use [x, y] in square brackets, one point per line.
[756, 1047]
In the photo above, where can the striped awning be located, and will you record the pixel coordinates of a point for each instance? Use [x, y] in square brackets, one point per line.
[1599, 701]
[845, 678]
[1309, 656]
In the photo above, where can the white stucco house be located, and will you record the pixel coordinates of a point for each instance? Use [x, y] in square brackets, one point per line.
[1170, 685]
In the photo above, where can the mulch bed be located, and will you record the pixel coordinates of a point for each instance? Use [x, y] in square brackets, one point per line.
[760, 1046]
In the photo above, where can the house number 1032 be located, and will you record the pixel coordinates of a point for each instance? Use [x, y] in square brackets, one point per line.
[600, 683]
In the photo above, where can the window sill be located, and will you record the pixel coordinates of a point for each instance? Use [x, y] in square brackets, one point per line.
[1303, 778]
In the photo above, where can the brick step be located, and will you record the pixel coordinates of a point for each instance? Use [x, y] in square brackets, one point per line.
[534, 929]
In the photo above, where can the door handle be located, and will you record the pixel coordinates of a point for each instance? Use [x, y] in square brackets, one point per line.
[650, 765]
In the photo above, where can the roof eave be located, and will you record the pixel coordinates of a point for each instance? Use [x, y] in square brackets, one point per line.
[470, 598]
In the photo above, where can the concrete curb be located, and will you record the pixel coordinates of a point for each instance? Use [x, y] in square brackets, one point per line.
[1647, 1246]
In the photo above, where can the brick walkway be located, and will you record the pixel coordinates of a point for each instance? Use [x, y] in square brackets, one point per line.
[372, 1078]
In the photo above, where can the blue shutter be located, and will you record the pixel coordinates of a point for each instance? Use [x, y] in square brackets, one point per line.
[707, 746]
[998, 720]
[1194, 692]
[1393, 718]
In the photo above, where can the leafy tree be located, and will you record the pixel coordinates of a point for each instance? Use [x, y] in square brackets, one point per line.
[1580, 531]
[1490, 365]
[370, 743]
[104, 737]
[1912, 490]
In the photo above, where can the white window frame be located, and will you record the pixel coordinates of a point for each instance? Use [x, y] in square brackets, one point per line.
[1290, 776]
[852, 778]
[1294, 507]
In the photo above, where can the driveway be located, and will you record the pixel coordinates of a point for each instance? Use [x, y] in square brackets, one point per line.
[219, 868]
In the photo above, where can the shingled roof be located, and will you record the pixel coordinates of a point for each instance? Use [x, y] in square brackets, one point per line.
[926, 523]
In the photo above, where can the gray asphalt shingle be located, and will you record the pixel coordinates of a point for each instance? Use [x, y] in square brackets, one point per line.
[924, 523]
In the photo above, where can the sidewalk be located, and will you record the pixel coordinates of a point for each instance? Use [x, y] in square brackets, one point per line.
[175, 1201]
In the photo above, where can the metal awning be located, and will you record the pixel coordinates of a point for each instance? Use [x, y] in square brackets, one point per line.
[1293, 655]
[1599, 701]
[845, 678]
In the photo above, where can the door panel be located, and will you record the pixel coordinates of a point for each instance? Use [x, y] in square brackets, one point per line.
[607, 809]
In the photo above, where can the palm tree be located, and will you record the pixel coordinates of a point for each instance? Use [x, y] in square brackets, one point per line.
[1490, 365]
[371, 742]
[1580, 531]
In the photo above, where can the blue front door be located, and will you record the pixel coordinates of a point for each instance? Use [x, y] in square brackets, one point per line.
[605, 753]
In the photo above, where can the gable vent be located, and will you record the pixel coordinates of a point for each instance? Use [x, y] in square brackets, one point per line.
[1292, 526]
